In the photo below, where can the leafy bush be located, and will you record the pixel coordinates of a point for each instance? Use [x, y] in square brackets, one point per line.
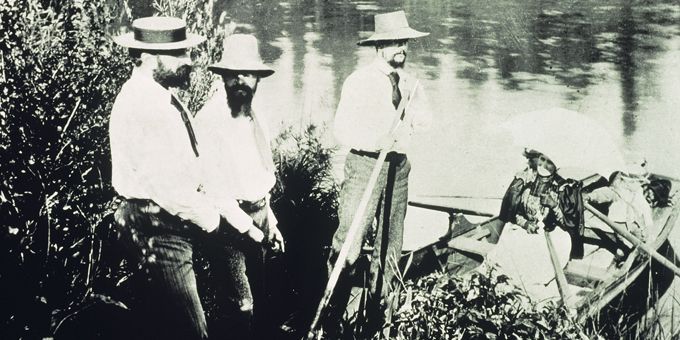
[60, 73]
[305, 203]
[438, 306]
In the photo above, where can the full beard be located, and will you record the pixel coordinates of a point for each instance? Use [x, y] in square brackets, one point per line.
[179, 78]
[239, 95]
[398, 60]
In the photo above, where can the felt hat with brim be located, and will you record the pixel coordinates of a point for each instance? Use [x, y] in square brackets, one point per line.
[241, 54]
[391, 26]
[159, 34]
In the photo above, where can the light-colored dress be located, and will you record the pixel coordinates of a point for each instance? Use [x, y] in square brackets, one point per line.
[524, 257]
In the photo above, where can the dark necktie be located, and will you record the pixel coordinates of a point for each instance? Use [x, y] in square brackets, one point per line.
[187, 123]
[396, 94]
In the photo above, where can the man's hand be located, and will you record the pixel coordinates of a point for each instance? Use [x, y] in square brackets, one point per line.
[254, 233]
[131, 213]
[386, 142]
[276, 240]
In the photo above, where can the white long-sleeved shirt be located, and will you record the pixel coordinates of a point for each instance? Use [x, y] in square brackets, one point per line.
[366, 114]
[151, 153]
[235, 155]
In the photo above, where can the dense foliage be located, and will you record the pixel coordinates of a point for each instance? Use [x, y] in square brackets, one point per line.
[484, 306]
[60, 73]
[305, 202]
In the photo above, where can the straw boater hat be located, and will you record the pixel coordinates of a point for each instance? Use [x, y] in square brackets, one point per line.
[391, 26]
[159, 34]
[240, 54]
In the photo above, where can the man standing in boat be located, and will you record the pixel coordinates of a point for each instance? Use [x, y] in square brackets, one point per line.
[372, 102]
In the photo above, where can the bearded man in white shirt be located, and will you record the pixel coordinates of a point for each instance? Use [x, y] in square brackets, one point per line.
[364, 121]
[155, 168]
[236, 155]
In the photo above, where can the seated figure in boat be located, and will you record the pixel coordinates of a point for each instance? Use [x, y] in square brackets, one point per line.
[537, 201]
[657, 192]
[539, 196]
[630, 198]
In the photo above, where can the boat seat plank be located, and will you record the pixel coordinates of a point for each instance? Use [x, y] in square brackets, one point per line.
[585, 274]
[471, 245]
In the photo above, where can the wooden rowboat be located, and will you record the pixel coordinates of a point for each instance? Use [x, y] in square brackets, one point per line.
[597, 281]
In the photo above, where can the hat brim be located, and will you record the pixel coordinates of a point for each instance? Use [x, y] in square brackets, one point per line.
[256, 68]
[128, 40]
[399, 34]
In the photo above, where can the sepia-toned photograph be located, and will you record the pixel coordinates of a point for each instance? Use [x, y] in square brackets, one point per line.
[339, 169]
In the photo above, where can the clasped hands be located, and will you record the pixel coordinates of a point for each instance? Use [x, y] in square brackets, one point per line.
[548, 201]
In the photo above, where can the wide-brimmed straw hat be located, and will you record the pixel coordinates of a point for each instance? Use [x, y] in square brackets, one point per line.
[159, 34]
[391, 26]
[241, 54]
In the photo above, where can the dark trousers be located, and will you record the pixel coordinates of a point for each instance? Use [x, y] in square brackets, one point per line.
[167, 304]
[237, 269]
[387, 204]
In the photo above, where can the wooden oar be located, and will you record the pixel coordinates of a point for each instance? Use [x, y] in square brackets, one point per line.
[358, 218]
[634, 240]
[450, 210]
[562, 284]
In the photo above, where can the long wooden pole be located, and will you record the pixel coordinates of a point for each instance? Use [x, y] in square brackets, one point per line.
[634, 240]
[357, 220]
[562, 284]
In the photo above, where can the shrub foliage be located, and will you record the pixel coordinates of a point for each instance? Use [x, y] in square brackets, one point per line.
[60, 73]
[484, 306]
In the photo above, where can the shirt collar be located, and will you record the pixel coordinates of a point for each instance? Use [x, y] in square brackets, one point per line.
[383, 66]
[148, 85]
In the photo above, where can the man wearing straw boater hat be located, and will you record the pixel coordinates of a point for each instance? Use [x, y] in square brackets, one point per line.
[236, 153]
[380, 107]
[155, 168]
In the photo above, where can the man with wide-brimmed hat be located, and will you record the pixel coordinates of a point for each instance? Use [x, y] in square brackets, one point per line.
[155, 168]
[236, 155]
[373, 99]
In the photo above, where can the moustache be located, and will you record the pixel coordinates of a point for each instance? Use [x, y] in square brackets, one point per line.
[402, 53]
[241, 90]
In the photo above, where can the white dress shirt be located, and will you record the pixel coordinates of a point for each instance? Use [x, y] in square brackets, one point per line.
[151, 153]
[366, 114]
[235, 155]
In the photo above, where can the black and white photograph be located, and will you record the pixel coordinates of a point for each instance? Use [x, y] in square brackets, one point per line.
[339, 169]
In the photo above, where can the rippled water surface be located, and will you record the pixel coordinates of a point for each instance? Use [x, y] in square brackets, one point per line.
[616, 61]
